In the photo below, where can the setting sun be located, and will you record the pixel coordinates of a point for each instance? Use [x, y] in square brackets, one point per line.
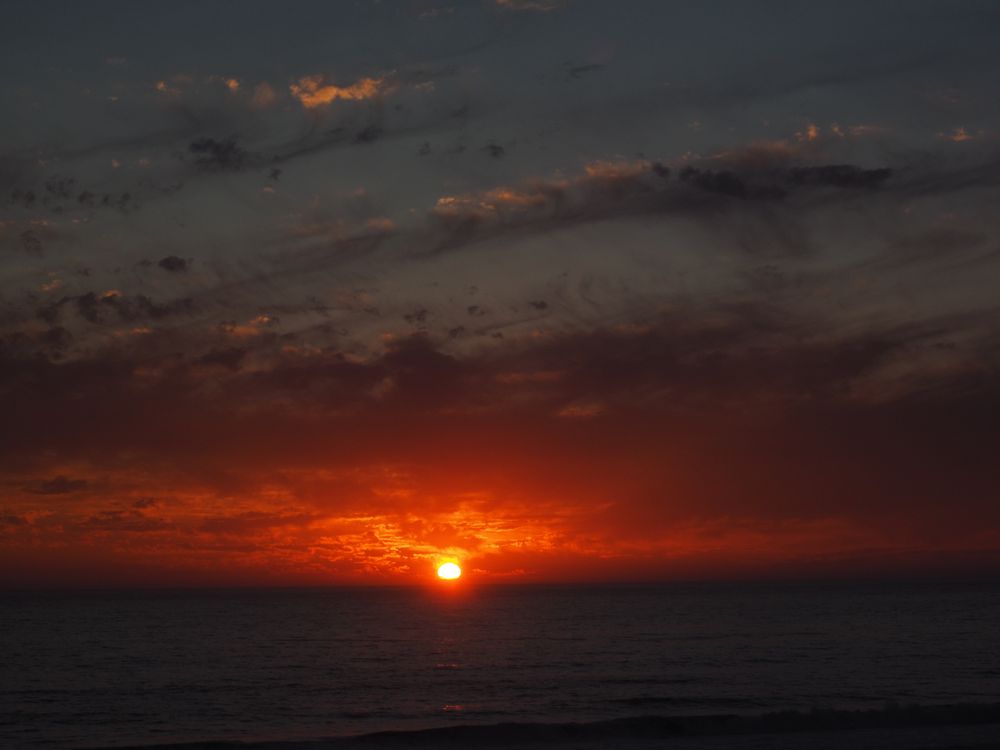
[449, 571]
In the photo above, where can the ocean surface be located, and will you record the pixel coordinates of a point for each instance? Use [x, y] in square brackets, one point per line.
[101, 669]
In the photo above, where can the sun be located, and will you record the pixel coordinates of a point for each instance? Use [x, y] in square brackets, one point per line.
[449, 571]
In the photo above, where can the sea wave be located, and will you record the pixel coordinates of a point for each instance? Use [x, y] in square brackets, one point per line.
[893, 726]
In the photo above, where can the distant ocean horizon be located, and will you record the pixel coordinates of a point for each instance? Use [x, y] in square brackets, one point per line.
[106, 668]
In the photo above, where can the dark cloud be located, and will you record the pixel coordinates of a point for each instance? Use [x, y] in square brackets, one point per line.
[613, 190]
[59, 485]
[417, 316]
[173, 263]
[59, 195]
[125, 521]
[10, 519]
[94, 308]
[23, 198]
[726, 358]
[578, 71]
[60, 187]
[114, 306]
[728, 183]
[50, 342]
[844, 176]
[31, 244]
[840, 175]
[724, 183]
[369, 134]
[212, 154]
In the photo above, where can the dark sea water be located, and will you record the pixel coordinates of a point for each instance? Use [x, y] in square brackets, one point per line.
[117, 668]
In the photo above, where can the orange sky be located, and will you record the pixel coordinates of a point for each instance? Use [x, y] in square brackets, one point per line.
[296, 476]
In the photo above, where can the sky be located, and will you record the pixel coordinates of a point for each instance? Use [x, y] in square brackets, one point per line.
[313, 293]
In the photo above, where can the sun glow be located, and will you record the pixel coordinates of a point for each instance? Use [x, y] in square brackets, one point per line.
[449, 571]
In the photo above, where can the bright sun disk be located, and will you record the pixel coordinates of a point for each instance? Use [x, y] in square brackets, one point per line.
[449, 571]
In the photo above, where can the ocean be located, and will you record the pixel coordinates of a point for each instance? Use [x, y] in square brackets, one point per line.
[126, 668]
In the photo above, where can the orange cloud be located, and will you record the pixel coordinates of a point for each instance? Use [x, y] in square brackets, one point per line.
[315, 90]
[52, 285]
[811, 133]
[253, 327]
[538, 195]
[507, 197]
[164, 88]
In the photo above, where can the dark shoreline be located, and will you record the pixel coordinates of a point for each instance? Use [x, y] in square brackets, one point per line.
[798, 728]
